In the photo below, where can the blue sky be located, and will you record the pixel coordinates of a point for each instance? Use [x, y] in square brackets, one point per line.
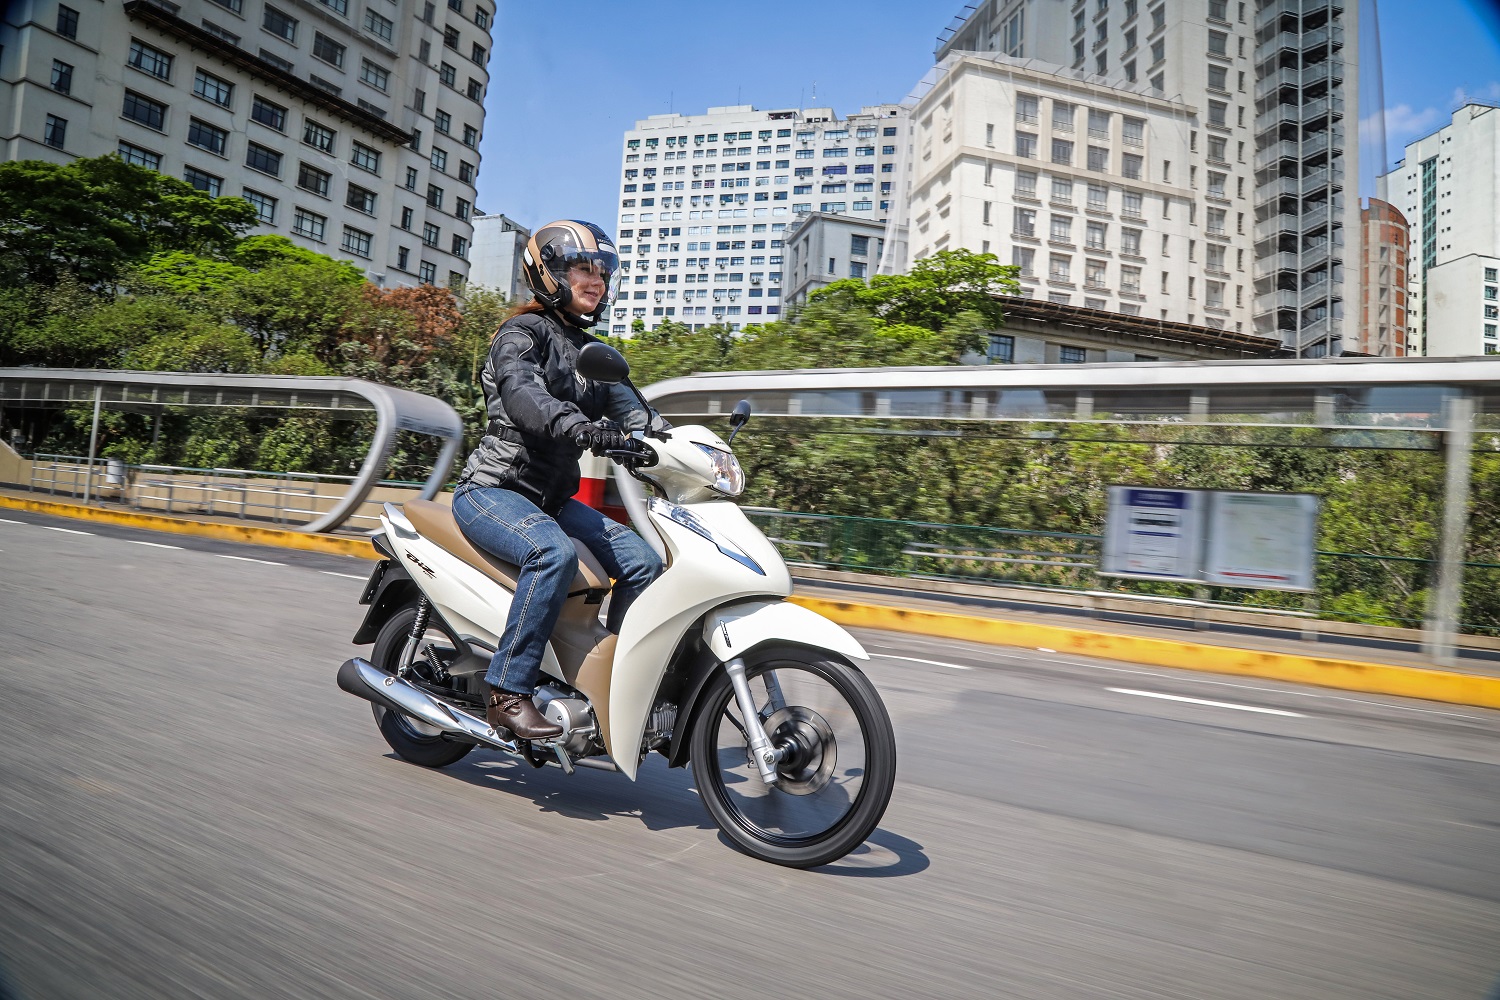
[567, 81]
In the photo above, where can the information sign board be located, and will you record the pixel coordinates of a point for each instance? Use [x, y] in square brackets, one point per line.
[1261, 540]
[1153, 534]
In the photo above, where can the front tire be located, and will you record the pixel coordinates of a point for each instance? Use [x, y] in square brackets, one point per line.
[414, 741]
[838, 766]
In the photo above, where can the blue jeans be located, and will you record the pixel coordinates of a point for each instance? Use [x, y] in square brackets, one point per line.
[510, 527]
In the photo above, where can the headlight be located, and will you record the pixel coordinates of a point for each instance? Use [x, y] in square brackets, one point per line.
[729, 477]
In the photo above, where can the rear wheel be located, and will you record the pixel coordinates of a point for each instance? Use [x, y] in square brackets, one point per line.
[414, 741]
[837, 758]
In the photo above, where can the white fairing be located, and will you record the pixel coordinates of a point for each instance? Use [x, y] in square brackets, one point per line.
[735, 630]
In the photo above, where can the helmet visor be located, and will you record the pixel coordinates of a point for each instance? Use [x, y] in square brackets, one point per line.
[604, 263]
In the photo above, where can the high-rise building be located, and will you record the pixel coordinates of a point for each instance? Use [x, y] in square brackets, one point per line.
[706, 200]
[1266, 83]
[821, 249]
[1383, 259]
[1091, 190]
[496, 261]
[1447, 188]
[353, 128]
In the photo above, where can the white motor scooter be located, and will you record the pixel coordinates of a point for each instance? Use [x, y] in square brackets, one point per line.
[791, 747]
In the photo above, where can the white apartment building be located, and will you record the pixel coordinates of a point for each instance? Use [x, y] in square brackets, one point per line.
[1448, 187]
[822, 249]
[352, 126]
[1089, 189]
[496, 260]
[706, 200]
[1268, 80]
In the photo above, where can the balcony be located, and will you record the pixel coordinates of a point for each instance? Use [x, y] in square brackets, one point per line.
[1284, 149]
[1316, 294]
[1282, 187]
[1314, 218]
[1322, 180]
[1274, 302]
[1282, 114]
[1288, 41]
[1275, 226]
[1331, 71]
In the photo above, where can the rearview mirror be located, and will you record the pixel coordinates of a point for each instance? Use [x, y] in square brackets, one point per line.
[601, 363]
[738, 417]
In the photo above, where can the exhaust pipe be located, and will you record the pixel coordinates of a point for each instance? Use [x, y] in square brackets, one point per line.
[360, 678]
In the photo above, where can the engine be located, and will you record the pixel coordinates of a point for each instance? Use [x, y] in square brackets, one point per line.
[580, 730]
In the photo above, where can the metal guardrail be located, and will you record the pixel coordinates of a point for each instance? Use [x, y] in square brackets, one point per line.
[288, 498]
[1060, 562]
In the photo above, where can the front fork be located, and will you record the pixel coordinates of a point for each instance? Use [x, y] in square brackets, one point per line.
[765, 755]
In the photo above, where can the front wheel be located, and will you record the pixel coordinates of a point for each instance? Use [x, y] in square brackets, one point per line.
[413, 740]
[837, 758]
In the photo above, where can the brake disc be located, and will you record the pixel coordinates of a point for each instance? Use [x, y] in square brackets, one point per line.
[810, 750]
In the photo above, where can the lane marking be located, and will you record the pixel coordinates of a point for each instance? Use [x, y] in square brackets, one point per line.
[1185, 677]
[264, 562]
[1205, 701]
[69, 531]
[6, 520]
[346, 576]
[935, 663]
[154, 545]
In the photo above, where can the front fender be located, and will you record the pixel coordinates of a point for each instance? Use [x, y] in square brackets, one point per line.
[738, 628]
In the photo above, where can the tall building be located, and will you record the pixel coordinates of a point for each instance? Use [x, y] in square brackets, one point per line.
[496, 261]
[352, 128]
[1089, 189]
[821, 249]
[1383, 259]
[706, 200]
[1266, 84]
[1448, 188]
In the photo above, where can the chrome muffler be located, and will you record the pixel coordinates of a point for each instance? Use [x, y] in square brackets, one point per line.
[360, 678]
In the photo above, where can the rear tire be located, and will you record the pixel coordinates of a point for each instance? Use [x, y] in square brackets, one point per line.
[838, 769]
[413, 741]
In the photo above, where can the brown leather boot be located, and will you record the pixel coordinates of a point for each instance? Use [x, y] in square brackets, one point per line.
[518, 713]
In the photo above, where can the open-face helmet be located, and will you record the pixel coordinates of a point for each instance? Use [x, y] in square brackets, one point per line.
[559, 246]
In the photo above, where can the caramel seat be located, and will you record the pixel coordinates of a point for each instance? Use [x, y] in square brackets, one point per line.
[436, 524]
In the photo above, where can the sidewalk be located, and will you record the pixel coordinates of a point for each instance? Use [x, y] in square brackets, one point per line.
[1377, 663]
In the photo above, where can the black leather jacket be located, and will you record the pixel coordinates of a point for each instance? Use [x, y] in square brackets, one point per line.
[536, 401]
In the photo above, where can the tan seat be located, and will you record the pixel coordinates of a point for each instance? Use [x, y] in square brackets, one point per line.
[436, 524]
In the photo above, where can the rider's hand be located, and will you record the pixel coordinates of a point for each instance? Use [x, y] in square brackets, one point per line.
[601, 436]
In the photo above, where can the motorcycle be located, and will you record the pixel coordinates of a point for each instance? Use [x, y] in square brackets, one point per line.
[791, 748]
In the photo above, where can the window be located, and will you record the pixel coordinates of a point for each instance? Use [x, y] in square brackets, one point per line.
[1025, 184]
[280, 24]
[411, 178]
[340, 7]
[1216, 222]
[1218, 10]
[1130, 242]
[1492, 312]
[451, 38]
[1024, 258]
[403, 258]
[1218, 78]
[203, 181]
[211, 88]
[264, 205]
[1097, 235]
[439, 160]
[1130, 205]
[1094, 274]
[309, 224]
[360, 199]
[285, 64]
[365, 158]
[138, 108]
[382, 28]
[481, 17]
[1218, 43]
[1062, 190]
[374, 75]
[1072, 355]
[1130, 280]
[1491, 274]
[62, 77]
[461, 208]
[55, 131]
[1026, 145]
[320, 137]
[1099, 197]
[434, 196]
[1060, 267]
[1131, 165]
[471, 136]
[150, 60]
[1218, 149]
[431, 234]
[1062, 229]
[312, 179]
[268, 114]
[356, 241]
[459, 246]
[442, 121]
[138, 156]
[448, 75]
[1099, 159]
[427, 272]
[262, 158]
[1062, 152]
[328, 50]
[1062, 116]
[206, 136]
[1027, 108]
[1218, 112]
[67, 22]
[1025, 222]
[475, 90]
[477, 54]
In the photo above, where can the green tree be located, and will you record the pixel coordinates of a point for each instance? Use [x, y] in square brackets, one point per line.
[937, 289]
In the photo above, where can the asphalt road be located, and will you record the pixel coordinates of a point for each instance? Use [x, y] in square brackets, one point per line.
[189, 807]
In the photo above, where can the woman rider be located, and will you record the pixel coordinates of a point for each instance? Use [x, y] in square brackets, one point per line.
[514, 498]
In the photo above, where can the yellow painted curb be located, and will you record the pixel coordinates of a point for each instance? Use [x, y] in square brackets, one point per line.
[1348, 675]
[249, 534]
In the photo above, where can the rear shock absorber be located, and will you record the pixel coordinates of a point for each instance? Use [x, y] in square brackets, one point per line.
[418, 626]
